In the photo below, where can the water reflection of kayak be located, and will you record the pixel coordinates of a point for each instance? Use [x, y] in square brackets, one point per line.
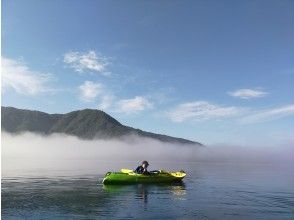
[129, 177]
[141, 191]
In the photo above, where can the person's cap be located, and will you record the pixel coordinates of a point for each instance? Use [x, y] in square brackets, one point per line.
[145, 162]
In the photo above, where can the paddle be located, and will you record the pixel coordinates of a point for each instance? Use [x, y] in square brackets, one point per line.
[132, 171]
[126, 171]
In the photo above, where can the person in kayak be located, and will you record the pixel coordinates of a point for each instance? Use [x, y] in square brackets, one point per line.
[142, 169]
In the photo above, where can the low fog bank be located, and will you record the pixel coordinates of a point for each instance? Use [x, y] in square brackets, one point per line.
[61, 152]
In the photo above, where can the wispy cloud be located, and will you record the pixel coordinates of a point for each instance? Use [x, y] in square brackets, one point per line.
[106, 101]
[201, 110]
[248, 93]
[269, 114]
[90, 90]
[18, 76]
[90, 60]
[134, 105]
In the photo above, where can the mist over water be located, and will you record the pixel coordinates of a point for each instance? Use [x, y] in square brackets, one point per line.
[60, 177]
[58, 152]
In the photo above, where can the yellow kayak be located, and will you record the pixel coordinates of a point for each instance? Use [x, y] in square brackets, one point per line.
[127, 176]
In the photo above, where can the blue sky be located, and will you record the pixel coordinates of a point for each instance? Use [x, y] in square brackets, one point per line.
[211, 71]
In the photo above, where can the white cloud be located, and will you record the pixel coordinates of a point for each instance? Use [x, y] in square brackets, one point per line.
[94, 91]
[269, 114]
[248, 93]
[134, 105]
[106, 102]
[86, 61]
[201, 110]
[16, 75]
[90, 90]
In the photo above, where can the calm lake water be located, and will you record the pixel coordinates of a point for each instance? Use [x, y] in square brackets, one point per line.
[210, 191]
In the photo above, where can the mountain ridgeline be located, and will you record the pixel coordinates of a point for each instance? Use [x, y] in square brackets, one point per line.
[85, 124]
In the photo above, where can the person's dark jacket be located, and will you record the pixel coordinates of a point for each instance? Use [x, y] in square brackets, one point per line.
[141, 170]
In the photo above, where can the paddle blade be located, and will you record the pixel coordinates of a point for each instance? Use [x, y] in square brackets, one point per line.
[126, 171]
